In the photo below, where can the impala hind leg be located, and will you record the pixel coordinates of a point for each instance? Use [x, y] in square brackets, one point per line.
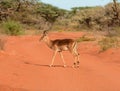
[76, 60]
[74, 64]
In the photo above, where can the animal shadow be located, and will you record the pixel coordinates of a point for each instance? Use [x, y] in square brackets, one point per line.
[44, 65]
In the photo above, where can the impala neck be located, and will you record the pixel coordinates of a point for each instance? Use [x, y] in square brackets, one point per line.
[48, 42]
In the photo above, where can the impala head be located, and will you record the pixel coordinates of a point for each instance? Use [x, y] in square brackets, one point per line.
[44, 36]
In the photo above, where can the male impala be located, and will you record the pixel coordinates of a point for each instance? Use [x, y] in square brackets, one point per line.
[60, 45]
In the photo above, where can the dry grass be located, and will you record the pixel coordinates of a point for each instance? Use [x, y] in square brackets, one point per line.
[2, 44]
[108, 42]
[85, 38]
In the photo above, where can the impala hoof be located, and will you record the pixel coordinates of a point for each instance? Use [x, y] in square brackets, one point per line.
[78, 62]
[50, 65]
[74, 66]
[65, 65]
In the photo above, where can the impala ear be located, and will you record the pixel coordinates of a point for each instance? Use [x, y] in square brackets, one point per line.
[45, 32]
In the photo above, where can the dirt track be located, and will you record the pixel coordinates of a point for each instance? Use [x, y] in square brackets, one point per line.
[24, 67]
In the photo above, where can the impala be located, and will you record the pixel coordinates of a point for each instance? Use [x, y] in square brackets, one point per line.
[59, 45]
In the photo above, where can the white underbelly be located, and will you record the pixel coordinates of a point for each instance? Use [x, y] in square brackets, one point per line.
[63, 48]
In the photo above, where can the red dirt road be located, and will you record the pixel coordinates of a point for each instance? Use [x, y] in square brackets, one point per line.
[24, 67]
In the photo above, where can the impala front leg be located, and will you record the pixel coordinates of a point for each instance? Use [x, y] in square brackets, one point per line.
[53, 58]
[62, 59]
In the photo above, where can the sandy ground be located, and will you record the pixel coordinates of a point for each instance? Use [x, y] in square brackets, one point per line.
[24, 66]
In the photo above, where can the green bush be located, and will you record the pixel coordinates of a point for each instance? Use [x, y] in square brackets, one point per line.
[12, 28]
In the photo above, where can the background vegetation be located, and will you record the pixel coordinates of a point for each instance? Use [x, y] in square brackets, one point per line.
[37, 15]
[19, 16]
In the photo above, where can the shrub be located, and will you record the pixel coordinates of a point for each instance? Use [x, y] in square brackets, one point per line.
[84, 38]
[108, 42]
[12, 28]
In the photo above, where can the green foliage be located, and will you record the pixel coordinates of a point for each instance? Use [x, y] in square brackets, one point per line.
[108, 42]
[12, 28]
[89, 16]
[49, 12]
[6, 3]
[95, 18]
